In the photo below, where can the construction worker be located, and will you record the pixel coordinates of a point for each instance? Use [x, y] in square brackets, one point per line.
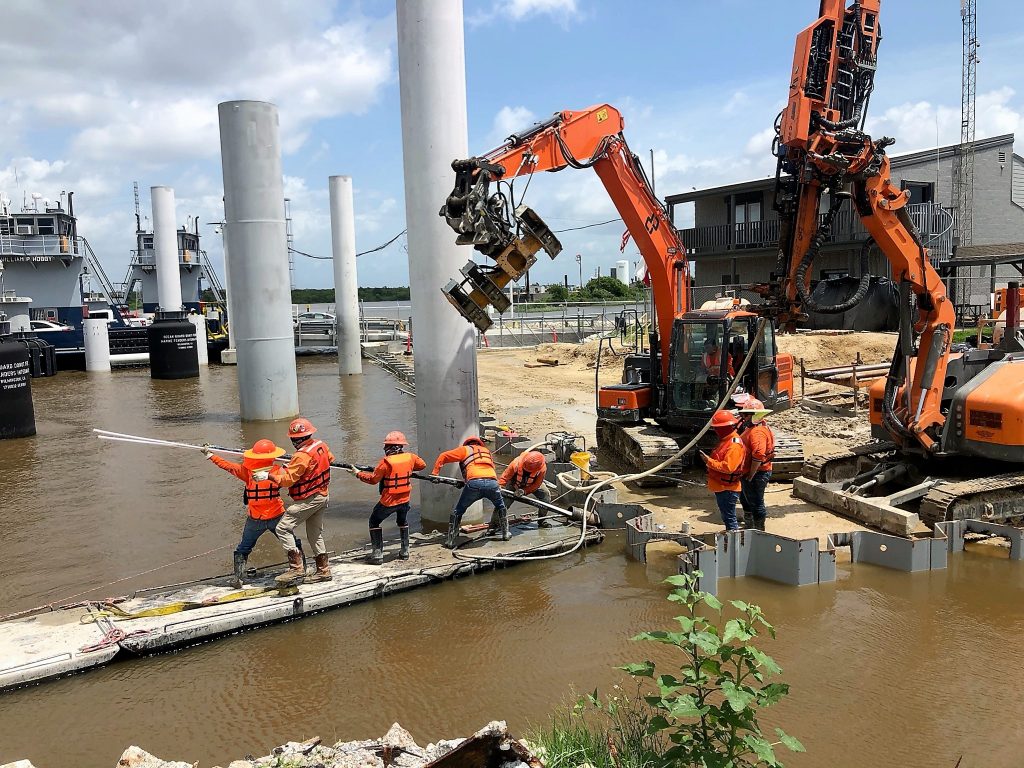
[725, 466]
[525, 477]
[481, 483]
[393, 475]
[759, 442]
[307, 478]
[711, 361]
[262, 497]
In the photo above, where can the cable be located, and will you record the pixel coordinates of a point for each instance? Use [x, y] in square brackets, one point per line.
[360, 253]
[588, 226]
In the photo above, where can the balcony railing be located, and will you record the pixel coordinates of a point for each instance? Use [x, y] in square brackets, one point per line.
[934, 222]
[15, 248]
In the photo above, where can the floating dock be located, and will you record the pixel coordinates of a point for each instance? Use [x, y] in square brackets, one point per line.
[54, 641]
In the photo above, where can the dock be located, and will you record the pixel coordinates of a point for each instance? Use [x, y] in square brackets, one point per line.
[54, 641]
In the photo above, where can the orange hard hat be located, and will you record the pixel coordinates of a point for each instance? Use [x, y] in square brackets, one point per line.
[300, 427]
[264, 449]
[723, 419]
[474, 440]
[533, 461]
[395, 438]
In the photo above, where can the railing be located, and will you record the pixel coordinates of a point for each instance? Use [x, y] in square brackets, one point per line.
[934, 222]
[39, 247]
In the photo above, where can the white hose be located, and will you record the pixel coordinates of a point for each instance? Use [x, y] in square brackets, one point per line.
[593, 488]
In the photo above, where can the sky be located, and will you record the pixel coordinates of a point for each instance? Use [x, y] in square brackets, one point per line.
[94, 96]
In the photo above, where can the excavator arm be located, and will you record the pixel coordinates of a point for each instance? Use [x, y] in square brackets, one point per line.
[821, 148]
[485, 218]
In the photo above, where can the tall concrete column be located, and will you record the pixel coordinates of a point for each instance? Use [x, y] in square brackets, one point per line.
[165, 243]
[346, 283]
[258, 253]
[432, 87]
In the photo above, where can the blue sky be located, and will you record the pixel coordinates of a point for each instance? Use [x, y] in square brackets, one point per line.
[94, 96]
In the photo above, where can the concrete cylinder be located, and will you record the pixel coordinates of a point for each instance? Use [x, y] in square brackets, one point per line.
[432, 89]
[258, 253]
[165, 243]
[199, 321]
[97, 345]
[346, 282]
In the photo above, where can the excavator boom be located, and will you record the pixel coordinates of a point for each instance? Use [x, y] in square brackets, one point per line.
[589, 138]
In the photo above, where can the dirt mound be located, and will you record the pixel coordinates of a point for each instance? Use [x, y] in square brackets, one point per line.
[824, 351]
[583, 355]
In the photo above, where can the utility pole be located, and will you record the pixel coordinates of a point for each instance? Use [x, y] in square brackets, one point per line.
[579, 262]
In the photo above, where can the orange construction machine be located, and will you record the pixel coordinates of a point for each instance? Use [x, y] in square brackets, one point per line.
[946, 424]
[668, 394]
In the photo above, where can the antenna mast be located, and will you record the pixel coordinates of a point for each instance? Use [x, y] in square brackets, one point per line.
[963, 182]
[138, 220]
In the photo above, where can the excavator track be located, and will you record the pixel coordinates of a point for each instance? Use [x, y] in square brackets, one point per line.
[995, 499]
[839, 465]
[643, 446]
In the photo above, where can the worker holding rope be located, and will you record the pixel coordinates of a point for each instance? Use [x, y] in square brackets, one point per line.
[307, 478]
[262, 497]
[725, 466]
[393, 476]
[524, 476]
[477, 467]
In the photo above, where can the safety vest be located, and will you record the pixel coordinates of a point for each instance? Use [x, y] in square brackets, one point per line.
[523, 479]
[727, 452]
[262, 497]
[477, 458]
[396, 486]
[765, 437]
[318, 474]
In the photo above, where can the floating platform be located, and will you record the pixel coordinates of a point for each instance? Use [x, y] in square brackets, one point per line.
[59, 640]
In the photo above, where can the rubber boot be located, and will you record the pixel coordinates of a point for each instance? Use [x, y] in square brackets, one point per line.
[236, 580]
[494, 526]
[376, 556]
[296, 569]
[506, 534]
[453, 532]
[759, 524]
[322, 572]
[403, 553]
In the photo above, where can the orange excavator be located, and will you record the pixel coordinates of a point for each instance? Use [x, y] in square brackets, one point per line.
[949, 427]
[669, 393]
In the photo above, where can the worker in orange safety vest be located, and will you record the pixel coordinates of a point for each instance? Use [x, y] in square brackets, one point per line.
[262, 497]
[524, 476]
[393, 476]
[725, 466]
[481, 480]
[307, 477]
[759, 441]
[711, 361]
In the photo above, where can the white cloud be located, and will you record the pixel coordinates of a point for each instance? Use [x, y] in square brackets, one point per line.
[508, 121]
[520, 9]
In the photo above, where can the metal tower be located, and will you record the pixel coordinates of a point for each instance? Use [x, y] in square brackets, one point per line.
[963, 171]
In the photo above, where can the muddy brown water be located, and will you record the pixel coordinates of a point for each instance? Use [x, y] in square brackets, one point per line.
[886, 668]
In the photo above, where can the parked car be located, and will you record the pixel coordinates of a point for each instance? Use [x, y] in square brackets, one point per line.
[49, 325]
[316, 322]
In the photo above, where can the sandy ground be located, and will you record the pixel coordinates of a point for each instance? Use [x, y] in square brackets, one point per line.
[538, 400]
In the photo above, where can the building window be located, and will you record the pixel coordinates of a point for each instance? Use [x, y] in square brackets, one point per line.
[730, 279]
[920, 191]
[46, 226]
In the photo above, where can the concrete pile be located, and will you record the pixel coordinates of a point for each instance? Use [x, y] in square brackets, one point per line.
[492, 745]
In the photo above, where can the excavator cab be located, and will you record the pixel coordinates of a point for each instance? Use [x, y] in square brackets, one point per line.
[708, 349]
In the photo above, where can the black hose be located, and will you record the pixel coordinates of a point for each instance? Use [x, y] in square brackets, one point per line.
[812, 253]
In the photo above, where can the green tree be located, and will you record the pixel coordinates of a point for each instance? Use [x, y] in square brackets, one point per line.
[558, 292]
[609, 288]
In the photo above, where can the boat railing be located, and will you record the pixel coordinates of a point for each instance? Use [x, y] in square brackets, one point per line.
[13, 246]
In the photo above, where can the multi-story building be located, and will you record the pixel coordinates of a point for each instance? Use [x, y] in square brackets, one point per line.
[734, 235]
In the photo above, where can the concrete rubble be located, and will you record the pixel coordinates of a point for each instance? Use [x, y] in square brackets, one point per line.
[396, 749]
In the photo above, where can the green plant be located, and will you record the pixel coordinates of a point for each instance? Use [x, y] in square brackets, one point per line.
[709, 712]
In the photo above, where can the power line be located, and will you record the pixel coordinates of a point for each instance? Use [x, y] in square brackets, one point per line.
[361, 253]
[587, 226]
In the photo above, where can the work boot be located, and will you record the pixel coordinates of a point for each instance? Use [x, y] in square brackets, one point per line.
[236, 580]
[376, 556]
[453, 533]
[296, 569]
[505, 533]
[322, 572]
[759, 524]
[494, 526]
[403, 553]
